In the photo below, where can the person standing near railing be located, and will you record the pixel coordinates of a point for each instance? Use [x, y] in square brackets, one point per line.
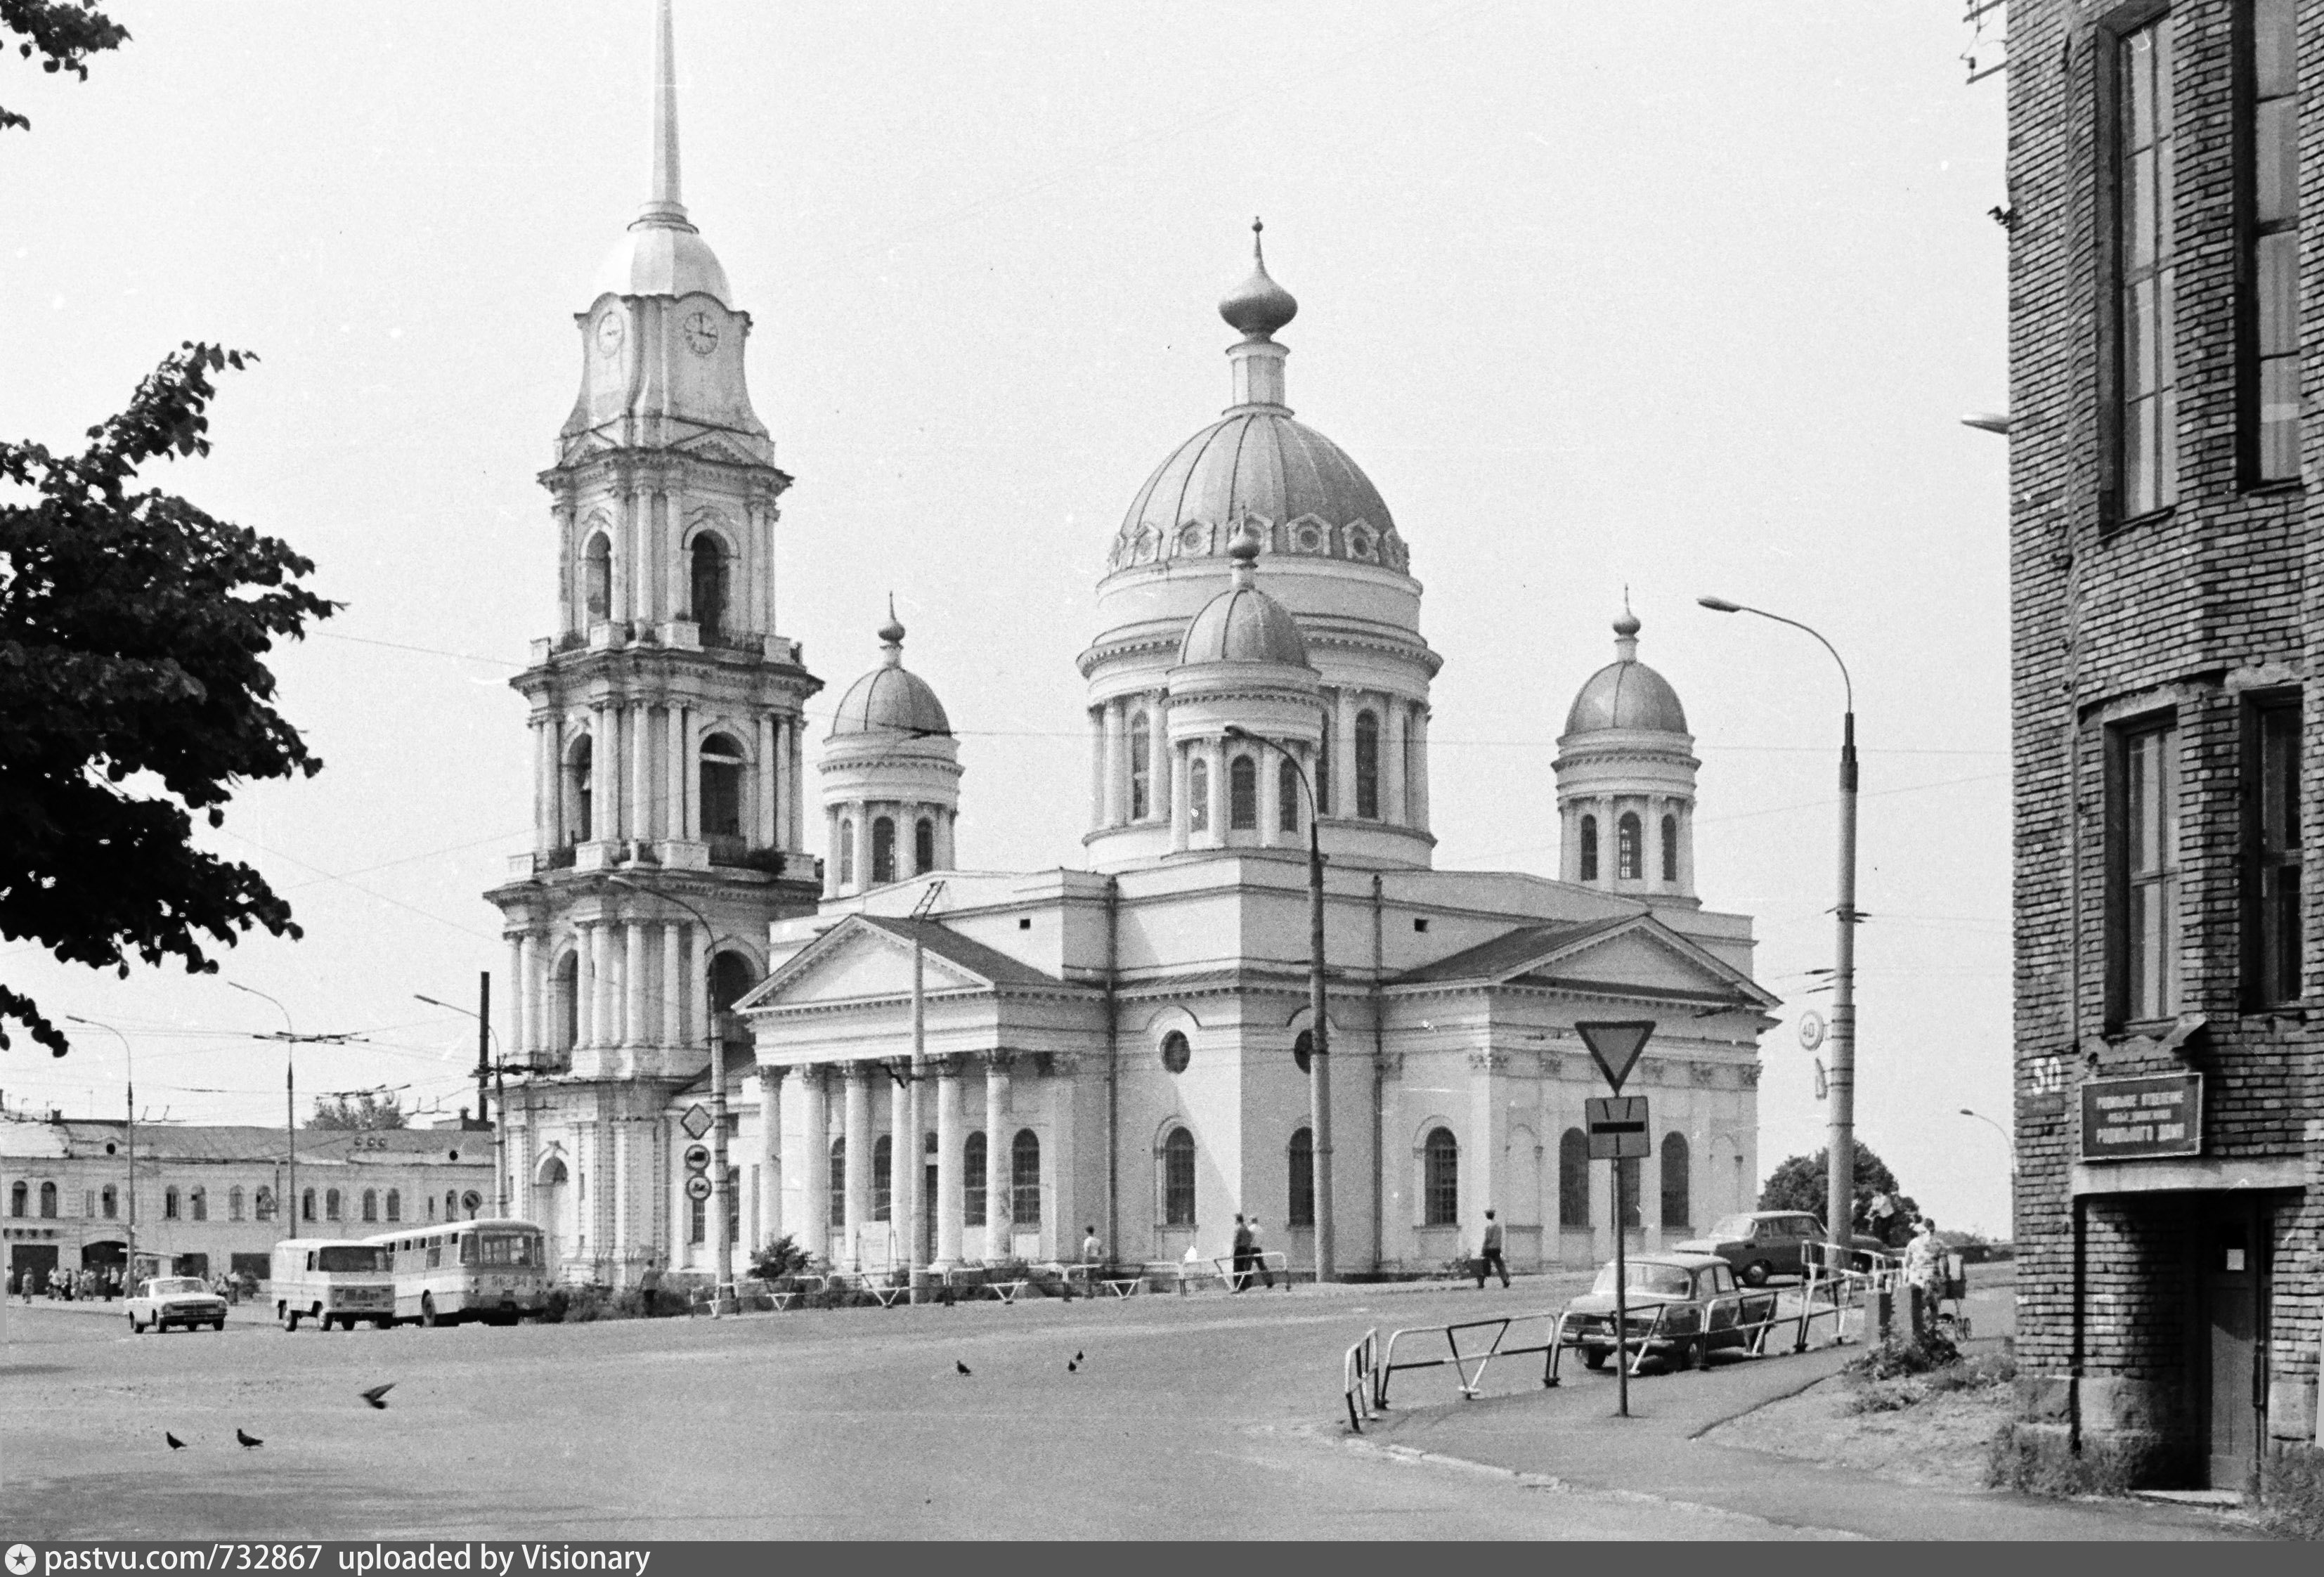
[1258, 1257]
[1488, 1253]
[1241, 1255]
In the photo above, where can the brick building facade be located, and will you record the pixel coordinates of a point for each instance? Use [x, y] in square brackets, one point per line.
[2169, 959]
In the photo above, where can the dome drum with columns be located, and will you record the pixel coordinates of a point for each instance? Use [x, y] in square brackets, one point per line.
[1625, 771]
[890, 775]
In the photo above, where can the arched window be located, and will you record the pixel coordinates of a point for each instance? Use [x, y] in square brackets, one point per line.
[48, 1201]
[838, 1215]
[1178, 1179]
[1324, 759]
[1141, 766]
[171, 1203]
[847, 850]
[19, 1196]
[451, 1206]
[109, 1201]
[1242, 795]
[1676, 1182]
[1589, 849]
[1670, 848]
[1198, 796]
[1302, 1212]
[1175, 1052]
[1286, 796]
[331, 1209]
[569, 1002]
[1440, 1183]
[1302, 1050]
[1367, 765]
[709, 564]
[431, 1199]
[883, 850]
[1630, 859]
[580, 790]
[722, 788]
[262, 1206]
[1630, 1181]
[234, 1200]
[1025, 1178]
[972, 1161]
[883, 1171]
[395, 1195]
[923, 846]
[597, 579]
[198, 1204]
[697, 1220]
[1573, 1179]
[370, 1204]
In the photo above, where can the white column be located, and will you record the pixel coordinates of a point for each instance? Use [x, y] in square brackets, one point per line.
[518, 1031]
[1343, 753]
[626, 536]
[813, 1167]
[997, 1135]
[689, 780]
[673, 983]
[858, 1203]
[1419, 796]
[601, 761]
[903, 1171]
[862, 845]
[601, 985]
[633, 984]
[765, 778]
[831, 851]
[945, 859]
[1216, 749]
[949, 1193]
[642, 773]
[673, 793]
[537, 997]
[769, 1192]
[1393, 769]
[1268, 766]
[1177, 770]
[794, 787]
[543, 835]
[1097, 767]
[1117, 765]
[1157, 754]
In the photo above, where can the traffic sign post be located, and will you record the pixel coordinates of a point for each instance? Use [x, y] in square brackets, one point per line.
[1619, 1130]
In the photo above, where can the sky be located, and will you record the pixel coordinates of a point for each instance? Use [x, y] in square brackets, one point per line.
[1649, 300]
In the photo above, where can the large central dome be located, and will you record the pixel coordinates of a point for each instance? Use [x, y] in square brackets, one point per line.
[1256, 467]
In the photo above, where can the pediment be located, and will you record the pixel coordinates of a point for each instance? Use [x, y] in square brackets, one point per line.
[1648, 955]
[856, 962]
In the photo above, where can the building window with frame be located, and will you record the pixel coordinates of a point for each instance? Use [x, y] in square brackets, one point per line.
[697, 1221]
[708, 562]
[1198, 796]
[2144, 146]
[847, 850]
[2269, 319]
[579, 794]
[923, 846]
[1588, 848]
[883, 1163]
[1677, 1181]
[1025, 1178]
[263, 1204]
[49, 1202]
[370, 1204]
[1242, 795]
[110, 1202]
[2271, 853]
[1179, 1178]
[1141, 766]
[597, 580]
[19, 1194]
[1368, 764]
[1440, 1179]
[721, 792]
[883, 850]
[332, 1210]
[172, 1202]
[836, 1216]
[1573, 1179]
[1630, 849]
[2143, 882]
[1670, 849]
[199, 1203]
[1286, 796]
[1302, 1211]
[395, 1201]
[973, 1158]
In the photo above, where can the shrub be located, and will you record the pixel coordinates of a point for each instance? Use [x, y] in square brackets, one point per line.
[778, 1259]
[2293, 1494]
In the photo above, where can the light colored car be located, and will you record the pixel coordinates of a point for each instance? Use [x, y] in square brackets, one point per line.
[164, 1300]
[1682, 1307]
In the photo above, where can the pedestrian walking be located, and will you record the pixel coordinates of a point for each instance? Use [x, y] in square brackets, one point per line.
[1258, 1257]
[1488, 1253]
[1092, 1251]
[1241, 1259]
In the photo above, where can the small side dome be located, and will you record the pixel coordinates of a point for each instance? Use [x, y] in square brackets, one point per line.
[890, 700]
[1626, 692]
[1243, 624]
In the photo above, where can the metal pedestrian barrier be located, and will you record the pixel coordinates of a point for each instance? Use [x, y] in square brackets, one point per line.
[1460, 1361]
[1358, 1378]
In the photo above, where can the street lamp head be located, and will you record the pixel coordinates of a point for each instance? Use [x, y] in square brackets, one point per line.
[1719, 605]
[1237, 731]
[1965, 1111]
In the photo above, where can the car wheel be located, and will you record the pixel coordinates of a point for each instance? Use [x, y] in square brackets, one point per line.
[1755, 1274]
[218, 1324]
[1593, 1357]
[427, 1310]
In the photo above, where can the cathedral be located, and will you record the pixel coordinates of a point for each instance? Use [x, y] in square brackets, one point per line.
[925, 1066]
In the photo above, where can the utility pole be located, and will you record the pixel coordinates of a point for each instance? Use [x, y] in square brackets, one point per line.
[483, 1042]
[290, 1037]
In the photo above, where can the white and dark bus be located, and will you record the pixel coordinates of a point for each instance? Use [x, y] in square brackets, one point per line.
[495, 1270]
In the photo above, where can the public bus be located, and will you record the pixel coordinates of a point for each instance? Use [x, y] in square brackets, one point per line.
[331, 1280]
[495, 1270]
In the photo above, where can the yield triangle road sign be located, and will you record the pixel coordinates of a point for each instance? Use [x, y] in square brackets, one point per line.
[1615, 1044]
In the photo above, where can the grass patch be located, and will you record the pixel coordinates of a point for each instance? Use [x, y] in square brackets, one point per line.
[1898, 1375]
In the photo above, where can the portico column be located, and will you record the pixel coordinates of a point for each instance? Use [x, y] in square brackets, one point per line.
[1393, 771]
[857, 1210]
[770, 1152]
[903, 1171]
[1268, 768]
[1097, 767]
[673, 983]
[949, 1192]
[814, 1159]
[673, 768]
[997, 1202]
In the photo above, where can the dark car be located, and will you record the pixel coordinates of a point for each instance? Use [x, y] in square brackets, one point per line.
[1762, 1244]
[1681, 1307]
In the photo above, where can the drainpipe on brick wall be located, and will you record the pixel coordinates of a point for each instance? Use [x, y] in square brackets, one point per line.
[2073, 742]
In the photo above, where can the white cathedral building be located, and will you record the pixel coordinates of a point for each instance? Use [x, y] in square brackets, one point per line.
[1124, 1047]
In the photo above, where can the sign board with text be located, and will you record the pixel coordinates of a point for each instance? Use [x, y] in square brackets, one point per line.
[1619, 1128]
[2126, 1120]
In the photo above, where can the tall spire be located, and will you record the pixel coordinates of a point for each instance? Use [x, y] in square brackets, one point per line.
[666, 204]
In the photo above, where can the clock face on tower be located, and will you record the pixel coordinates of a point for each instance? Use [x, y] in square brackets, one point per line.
[609, 334]
[701, 333]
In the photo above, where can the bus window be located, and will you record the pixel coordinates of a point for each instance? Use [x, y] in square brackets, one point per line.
[351, 1257]
[435, 1252]
[310, 1258]
[508, 1248]
[468, 1247]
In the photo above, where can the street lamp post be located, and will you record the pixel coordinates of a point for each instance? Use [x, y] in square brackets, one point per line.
[1319, 1064]
[2007, 1141]
[722, 1300]
[129, 1087]
[289, 1212]
[1841, 1146]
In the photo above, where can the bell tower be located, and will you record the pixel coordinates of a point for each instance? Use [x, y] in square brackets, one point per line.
[665, 718]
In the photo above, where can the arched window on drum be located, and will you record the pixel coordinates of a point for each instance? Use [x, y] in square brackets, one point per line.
[1440, 1187]
[1589, 871]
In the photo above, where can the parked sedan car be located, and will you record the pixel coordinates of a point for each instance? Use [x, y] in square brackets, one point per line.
[164, 1300]
[1681, 1308]
[1762, 1244]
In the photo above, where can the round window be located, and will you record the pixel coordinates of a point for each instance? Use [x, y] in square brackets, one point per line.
[1302, 1050]
[1175, 1052]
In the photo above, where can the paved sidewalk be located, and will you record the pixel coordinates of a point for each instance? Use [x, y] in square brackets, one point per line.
[1570, 1437]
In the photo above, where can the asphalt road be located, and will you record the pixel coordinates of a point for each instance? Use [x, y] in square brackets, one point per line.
[1203, 1418]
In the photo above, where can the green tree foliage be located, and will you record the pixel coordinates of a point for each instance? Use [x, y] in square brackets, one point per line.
[62, 33]
[1803, 1183]
[778, 1258]
[133, 632]
[365, 1112]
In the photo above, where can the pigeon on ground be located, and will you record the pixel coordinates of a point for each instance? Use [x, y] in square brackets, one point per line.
[958, 1365]
[1071, 1366]
[175, 1443]
[247, 1440]
[377, 1396]
[1079, 1357]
